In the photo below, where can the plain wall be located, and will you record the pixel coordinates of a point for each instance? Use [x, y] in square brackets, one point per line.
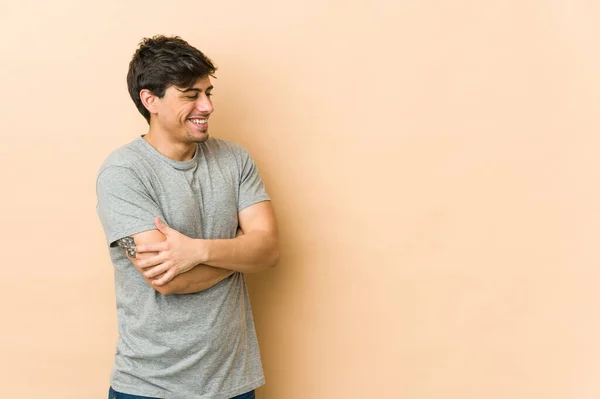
[433, 165]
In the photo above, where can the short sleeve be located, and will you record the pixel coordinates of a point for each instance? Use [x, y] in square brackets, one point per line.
[125, 207]
[252, 189]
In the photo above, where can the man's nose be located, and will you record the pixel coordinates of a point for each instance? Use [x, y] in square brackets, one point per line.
[204, 105]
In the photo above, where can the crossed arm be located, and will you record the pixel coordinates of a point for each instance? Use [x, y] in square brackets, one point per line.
[173, 263]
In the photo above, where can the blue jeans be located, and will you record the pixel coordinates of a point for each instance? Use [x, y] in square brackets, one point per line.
[112, 394]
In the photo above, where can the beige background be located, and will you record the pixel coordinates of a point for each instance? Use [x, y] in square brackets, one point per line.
[433, 165]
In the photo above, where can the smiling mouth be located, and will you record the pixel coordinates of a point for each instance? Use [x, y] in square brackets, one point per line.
[198, 121]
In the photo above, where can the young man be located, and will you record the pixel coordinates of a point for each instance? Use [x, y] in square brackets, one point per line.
[185, 216]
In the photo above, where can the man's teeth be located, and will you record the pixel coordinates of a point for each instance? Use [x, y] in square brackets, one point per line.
[199, 121]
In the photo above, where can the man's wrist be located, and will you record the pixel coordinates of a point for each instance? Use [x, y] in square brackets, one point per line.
[202, 251]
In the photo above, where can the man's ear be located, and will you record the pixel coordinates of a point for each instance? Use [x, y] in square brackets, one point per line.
[149, 100]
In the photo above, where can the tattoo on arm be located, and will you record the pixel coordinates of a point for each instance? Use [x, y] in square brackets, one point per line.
[128, 245]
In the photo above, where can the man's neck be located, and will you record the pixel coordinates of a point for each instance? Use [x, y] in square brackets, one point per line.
[177, 151]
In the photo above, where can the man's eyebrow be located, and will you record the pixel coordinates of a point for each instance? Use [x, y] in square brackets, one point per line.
[196, 90]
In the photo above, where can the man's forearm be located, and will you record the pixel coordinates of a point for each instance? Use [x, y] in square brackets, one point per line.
[252, 252]
[200, 278]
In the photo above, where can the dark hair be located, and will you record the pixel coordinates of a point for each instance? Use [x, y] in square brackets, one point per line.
[160, 62]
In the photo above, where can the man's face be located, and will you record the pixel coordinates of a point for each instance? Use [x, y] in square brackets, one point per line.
[183, 112]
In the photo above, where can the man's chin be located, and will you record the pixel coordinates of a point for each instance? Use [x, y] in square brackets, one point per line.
[200, 137]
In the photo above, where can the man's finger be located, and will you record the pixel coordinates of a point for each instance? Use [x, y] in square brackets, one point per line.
[168, 276]
[152, 261]
[156, 270]
[162, 226]
[156, 247]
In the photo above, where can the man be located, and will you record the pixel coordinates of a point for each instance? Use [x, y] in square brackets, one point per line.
[170, 203]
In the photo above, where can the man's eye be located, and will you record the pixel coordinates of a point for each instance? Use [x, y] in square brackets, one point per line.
[192, 97]
[209, 94]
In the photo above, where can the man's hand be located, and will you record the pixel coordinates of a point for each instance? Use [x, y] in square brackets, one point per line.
[177, 255]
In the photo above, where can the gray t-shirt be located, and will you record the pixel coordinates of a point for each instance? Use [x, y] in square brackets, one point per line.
[200, 345]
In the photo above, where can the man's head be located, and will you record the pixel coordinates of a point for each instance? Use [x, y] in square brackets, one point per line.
[169, 82]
